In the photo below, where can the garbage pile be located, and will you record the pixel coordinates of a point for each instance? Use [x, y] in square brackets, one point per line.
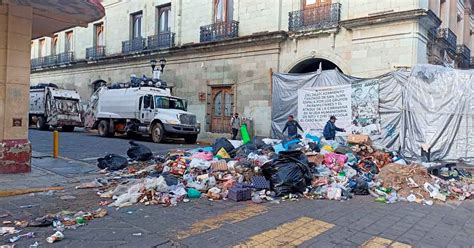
[272, 170]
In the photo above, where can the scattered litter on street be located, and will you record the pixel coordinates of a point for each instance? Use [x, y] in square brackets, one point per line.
[57, 236]
[264, 170]
[26, 235]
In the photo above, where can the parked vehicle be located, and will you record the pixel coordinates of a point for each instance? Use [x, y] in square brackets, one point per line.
[52, 106]
[141, 110]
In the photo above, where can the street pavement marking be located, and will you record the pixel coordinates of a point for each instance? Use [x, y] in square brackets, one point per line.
[216, 222]
[290, 234]
[378, 242]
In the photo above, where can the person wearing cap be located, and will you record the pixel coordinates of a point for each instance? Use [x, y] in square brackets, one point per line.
[292, 127]
[330, 129]
[235, 124]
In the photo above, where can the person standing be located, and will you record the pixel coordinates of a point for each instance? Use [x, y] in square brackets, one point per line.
[330, 129]
[235, 124]
[292, 127]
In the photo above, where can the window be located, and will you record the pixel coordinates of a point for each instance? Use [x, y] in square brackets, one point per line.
[169, 103]
[69, 41]
[136, 20]
[54, 45]
[164, 19]
[42, 48]
[308, 4]
[32, 49]
[99, 34]
[223, 10]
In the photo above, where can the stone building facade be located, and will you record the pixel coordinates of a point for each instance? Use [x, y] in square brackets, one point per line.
[220, 53]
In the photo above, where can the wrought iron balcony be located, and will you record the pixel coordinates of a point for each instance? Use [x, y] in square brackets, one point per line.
[448, 38]
[96, 52]
[65, 58]
[219, 31]
[464, 52]
[323, 17]
[36, 63]
[45, 61]
[160, 41]
[133, 46]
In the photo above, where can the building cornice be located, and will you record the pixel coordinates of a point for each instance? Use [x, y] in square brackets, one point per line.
[263, 38]
[433, 20]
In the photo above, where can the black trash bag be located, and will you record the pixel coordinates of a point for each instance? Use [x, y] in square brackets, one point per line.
[139, 152]
[112, 162]
[244, 150]
[170, 179]
[222, 143]
[258, 142]
[314, 147]
[288, 174]
[361, 188]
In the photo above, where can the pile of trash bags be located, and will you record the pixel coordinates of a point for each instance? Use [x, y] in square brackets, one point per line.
[273, 170]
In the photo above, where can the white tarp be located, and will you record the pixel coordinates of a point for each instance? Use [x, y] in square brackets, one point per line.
[431, 105]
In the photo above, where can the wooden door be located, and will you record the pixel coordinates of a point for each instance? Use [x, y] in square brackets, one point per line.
[222, 104]
[316, 11]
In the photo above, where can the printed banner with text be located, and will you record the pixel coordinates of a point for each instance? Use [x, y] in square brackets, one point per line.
[316, 105]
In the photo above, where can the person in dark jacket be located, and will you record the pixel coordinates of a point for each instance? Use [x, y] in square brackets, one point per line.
[330, 129]
[292, 127]
[235, 124]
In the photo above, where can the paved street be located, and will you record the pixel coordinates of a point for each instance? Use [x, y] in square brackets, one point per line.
[202, 223]
[88, 146]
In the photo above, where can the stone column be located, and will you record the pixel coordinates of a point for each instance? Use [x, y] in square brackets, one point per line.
[15, 38]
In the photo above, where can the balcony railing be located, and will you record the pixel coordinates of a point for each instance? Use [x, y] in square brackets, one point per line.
[96, 52]
[65, 58]
[52, 60]
[323, 17]
[219, 31]
[160, 41]
[133, 46]
[464, 52]
[448, 38]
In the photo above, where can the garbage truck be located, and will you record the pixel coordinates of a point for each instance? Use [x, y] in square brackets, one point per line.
[52, 106]
[144, 109]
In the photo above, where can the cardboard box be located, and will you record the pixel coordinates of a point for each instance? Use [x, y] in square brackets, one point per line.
[359, 139]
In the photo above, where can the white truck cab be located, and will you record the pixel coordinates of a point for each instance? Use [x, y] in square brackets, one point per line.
[141, 110]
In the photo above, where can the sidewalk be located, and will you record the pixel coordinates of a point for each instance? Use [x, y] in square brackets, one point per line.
[47, 172]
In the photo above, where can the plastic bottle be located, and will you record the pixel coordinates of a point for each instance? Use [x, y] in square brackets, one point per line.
[57, 236]
[80, 221]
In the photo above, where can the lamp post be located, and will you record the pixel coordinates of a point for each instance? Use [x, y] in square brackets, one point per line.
[157, 73]
[153, 66]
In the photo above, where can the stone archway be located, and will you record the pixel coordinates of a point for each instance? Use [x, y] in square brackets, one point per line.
[97, 84]
[312, 65]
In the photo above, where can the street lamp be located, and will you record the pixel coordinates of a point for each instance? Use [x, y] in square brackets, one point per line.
[162, 63]
[153, 65]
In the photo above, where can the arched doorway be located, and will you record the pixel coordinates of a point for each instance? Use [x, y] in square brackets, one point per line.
[312, 65]
[97, 84]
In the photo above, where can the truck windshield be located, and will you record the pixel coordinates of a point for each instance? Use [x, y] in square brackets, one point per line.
[165, 102]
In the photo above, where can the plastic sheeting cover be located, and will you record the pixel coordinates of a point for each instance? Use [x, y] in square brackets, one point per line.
[432, 105]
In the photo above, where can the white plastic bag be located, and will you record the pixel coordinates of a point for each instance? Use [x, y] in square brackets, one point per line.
[200, 164]
[334, 193]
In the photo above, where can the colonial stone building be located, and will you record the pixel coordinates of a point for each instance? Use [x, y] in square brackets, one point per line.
[220, 53]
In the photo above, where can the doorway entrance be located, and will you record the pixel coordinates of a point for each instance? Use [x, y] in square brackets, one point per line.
[312, 65]
[222, 105]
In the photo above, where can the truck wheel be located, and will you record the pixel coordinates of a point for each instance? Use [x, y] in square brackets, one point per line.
[68, 128]
[41, 123]
[157, 133]
[191, 139]
[103, 129]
